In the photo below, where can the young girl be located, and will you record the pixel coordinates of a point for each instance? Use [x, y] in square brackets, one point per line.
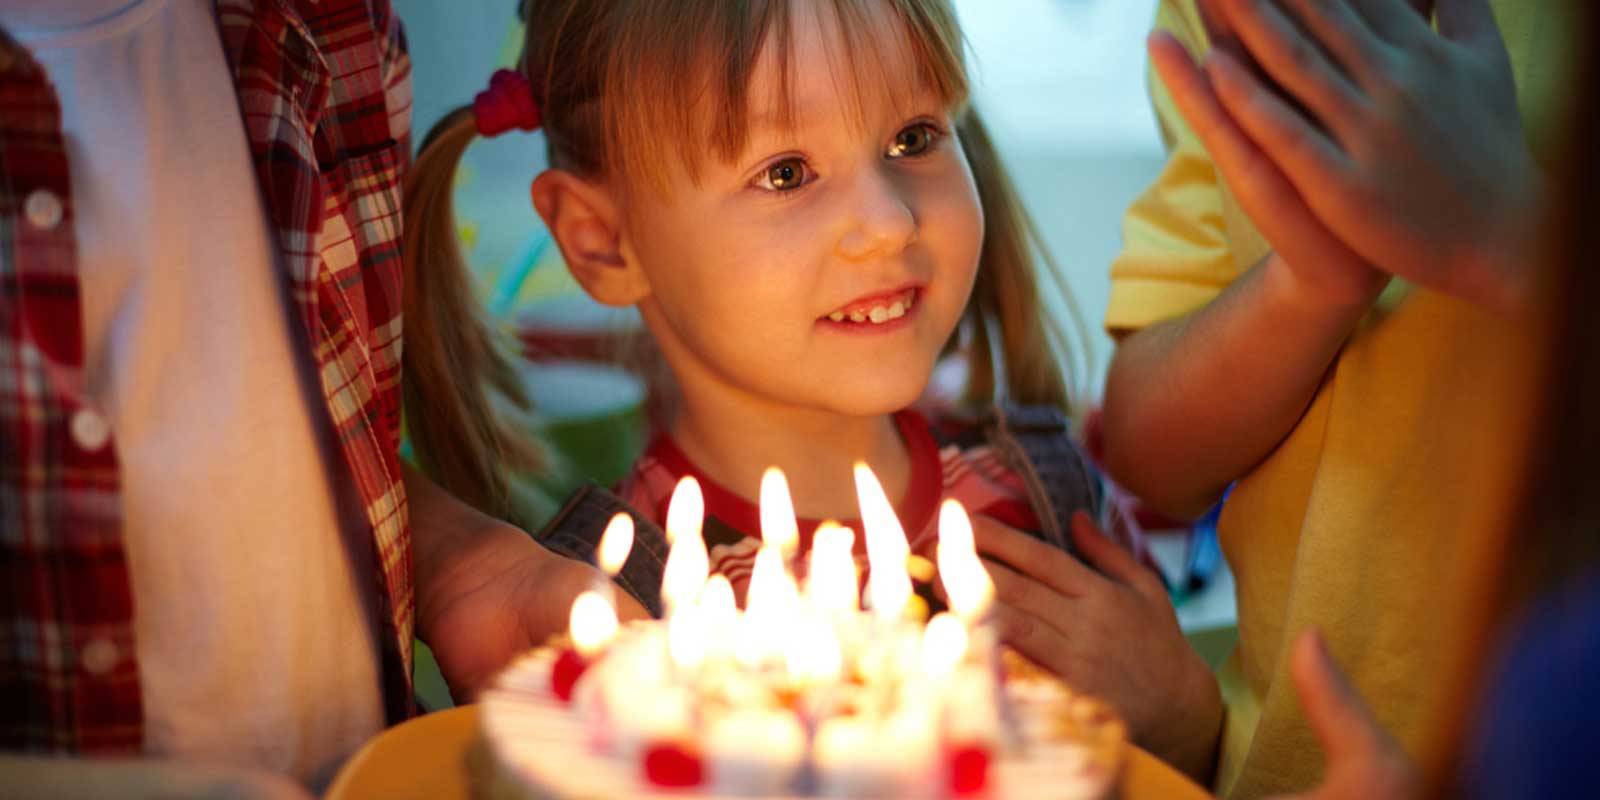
[808, 216]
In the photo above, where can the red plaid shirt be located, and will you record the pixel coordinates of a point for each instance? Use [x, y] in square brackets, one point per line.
[324, 91]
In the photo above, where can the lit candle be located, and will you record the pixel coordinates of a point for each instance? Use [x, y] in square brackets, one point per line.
[972, 694]
[688, 638]
[720, 613]
[778, 525]
[754, 751]
[944, 643]
[615, 544]
[972, 719]
[812, 654]
[637, 704]
[688, 563]
[869, 756]
[966, 583]
[771, 607]
[592, 625]
[888, 584]
[831, 580]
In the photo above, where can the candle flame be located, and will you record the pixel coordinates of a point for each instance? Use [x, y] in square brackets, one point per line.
[778, 526]
[688, 563]
[812, 653]
[717, 599]
[966, 582]
[686, 511]
[955, 527]
[831, 580]
[616, 543]
[771, 607]
[593, 624]
[888, 584]
[944, 644]
[688, 637]
[720, 612]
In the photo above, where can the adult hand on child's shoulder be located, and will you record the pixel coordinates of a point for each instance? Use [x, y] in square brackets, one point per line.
[1112, 633]
[1405, 142]
[510, 595]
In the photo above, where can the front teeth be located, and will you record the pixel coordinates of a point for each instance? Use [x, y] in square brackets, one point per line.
[877, 315]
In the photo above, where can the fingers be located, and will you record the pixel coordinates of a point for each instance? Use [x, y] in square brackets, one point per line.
[1304, 153]
[1111, 559]
[1342, 722]
[1247, 169]
[1338, 29]
[1295, 61]
[1018, 592]
[1049, 566]
[1041, 643]
[1260, 185]
[1263, 191]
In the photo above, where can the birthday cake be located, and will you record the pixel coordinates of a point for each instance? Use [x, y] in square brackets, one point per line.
[802, 693]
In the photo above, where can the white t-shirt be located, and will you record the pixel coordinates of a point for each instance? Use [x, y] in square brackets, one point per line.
[252, 569]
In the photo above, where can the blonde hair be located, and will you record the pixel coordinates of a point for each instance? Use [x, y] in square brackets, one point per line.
[623, 86]
[466, 412]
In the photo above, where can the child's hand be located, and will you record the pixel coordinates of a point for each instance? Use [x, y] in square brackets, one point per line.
[1363, 762]
[1113, 635]
[1406, 143]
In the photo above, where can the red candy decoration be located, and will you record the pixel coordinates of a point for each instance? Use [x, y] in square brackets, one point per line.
[969, 769]
[672, 765]
[569, 667]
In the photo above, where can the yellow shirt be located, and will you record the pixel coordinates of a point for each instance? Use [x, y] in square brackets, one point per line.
[1358, 522]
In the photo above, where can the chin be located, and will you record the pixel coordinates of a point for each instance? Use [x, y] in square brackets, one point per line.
[875, 397]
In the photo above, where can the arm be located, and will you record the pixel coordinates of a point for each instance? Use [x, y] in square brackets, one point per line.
[1194, 402]
[486, 591]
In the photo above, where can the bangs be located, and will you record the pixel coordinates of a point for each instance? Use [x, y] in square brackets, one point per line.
[677, 87]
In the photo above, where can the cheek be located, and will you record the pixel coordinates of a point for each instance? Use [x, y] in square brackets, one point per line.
[734, 282]
[952, 224]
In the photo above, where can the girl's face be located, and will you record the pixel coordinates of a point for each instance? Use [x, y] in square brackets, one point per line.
[826, 266]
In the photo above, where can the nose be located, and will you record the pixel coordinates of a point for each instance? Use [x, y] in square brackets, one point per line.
[881, 220]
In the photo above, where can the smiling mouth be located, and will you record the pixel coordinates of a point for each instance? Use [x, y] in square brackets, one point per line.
[876, 310]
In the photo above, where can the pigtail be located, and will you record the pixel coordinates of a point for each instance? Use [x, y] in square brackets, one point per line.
[466, 412]
[1019, 351]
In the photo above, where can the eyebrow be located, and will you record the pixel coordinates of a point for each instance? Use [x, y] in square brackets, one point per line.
[771, 118]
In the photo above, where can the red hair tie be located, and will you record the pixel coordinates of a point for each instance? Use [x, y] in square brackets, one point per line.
[506, 104]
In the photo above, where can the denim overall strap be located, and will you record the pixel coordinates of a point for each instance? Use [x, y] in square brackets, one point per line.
[575, 533]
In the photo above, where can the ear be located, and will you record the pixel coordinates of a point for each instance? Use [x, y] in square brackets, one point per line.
[586, 222]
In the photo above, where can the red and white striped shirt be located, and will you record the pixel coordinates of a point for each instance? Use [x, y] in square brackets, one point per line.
[940, 470]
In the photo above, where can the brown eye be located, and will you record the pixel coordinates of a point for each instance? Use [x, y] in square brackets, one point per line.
[913, 141]
[786, 175]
